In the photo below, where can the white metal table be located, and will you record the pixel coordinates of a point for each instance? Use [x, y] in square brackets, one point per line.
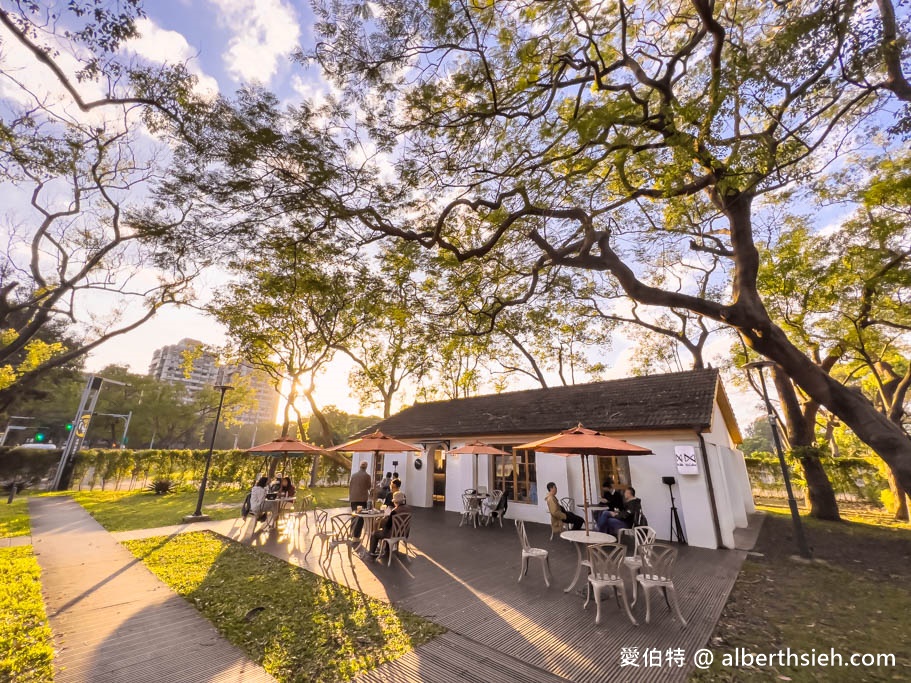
[371, 521]
[582, 538]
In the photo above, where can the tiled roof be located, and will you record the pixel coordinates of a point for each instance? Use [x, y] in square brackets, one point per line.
[680, 400]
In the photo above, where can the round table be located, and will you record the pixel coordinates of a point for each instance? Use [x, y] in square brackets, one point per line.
[371, 519]
[580, 538]
[596, 509]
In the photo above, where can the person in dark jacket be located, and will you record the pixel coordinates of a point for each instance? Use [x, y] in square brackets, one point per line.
[630, 516]
[398, 499]
[610, 496]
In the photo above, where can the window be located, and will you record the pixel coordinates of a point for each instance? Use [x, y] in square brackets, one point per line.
[615, 468]
[516, 475]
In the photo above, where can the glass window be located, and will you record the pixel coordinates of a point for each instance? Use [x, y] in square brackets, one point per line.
[615, 468]
[516, 475]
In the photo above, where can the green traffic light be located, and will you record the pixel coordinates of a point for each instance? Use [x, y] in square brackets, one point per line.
[40, 436]
[69, 426]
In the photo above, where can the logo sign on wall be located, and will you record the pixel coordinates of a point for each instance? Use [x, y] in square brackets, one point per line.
[686, 459]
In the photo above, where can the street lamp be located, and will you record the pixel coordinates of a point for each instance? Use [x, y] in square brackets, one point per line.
[802, 547]
[223, 388]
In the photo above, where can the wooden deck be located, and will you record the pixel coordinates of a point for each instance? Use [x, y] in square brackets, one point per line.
[465, 579]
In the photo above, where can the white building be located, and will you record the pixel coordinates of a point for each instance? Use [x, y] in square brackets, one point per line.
[684, 418]
[185, 362]
[267, 398]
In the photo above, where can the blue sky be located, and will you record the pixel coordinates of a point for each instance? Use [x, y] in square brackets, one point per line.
[228, 43]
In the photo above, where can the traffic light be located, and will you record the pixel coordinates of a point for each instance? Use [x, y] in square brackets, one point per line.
[40, 436]
[69, 426]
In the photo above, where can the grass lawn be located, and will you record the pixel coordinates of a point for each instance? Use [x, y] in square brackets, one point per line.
[299, 626]
[26, 653]
[127, 510]
[856, 600]
[14, 517]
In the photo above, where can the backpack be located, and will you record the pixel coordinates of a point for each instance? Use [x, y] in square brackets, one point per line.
[245, 509]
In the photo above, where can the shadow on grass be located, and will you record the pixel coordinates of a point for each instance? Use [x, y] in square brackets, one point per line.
[299, 626]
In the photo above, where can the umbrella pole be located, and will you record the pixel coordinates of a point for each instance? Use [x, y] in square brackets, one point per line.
[585, 491]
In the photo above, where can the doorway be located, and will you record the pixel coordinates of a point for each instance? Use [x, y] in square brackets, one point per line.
[439, 474]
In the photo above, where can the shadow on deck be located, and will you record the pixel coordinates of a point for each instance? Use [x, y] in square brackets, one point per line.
[466, 580]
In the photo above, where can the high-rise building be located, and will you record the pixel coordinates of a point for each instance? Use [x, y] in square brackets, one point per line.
[185, 362]
[263, 386]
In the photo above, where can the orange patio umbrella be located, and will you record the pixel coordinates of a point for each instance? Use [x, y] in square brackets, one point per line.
[285, 446]
[477, 448]
[376, 443]
[584, 442]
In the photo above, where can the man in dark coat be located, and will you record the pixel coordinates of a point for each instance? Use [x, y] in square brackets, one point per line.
[630, 516]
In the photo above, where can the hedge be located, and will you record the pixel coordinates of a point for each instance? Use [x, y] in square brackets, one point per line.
[854, 478]
[113, 467]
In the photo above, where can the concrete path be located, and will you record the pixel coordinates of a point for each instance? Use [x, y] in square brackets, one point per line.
[15, 541]
[113, 620]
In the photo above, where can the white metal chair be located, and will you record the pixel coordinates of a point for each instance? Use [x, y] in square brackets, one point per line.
[471, 509]
[495, 507]
[531, 553]
[606, 564]
[341, 534]
[641, 535]
[401, 527]
[657, 572]
[320, 531]
[568, 504]
[305, 504]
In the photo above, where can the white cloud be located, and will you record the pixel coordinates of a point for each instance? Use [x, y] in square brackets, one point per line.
[170, 47]
[263, 32]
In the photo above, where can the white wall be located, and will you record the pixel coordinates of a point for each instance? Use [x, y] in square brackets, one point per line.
[737, 478]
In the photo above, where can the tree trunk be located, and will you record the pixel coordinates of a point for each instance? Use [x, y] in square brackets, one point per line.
[886, 438]
[823, 504]
[899, 497]
[314, 465]
[801, 425]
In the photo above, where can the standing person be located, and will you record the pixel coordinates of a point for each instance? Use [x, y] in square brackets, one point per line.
[558, 514]
[358, 493]
[629, 517]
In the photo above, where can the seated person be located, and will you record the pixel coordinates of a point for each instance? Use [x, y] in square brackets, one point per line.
[610, 496]
[558, 514]
[395, 486]
[630, 516]
[258, 497]
[286, 488]
[398, 500]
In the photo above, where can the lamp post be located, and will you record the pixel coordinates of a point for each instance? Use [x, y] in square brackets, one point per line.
[223, 388]
[802, 547]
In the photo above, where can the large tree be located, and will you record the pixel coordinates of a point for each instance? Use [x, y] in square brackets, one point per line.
[75, 162]
[579, 130]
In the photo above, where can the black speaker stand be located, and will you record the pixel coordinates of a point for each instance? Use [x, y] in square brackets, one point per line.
[676, 526]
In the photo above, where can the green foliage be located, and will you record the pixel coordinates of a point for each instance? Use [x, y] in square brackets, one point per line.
[311, 629]
[128, 510]
[26, 649]
[858, 477]
[161, 487]
[14, 519]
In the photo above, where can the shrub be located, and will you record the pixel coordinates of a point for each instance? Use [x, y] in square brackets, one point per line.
[162, 486]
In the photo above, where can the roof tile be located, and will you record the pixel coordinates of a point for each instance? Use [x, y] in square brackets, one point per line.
[671, 401]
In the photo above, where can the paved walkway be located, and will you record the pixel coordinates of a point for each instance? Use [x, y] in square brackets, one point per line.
[113, 621]
[15, 541]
